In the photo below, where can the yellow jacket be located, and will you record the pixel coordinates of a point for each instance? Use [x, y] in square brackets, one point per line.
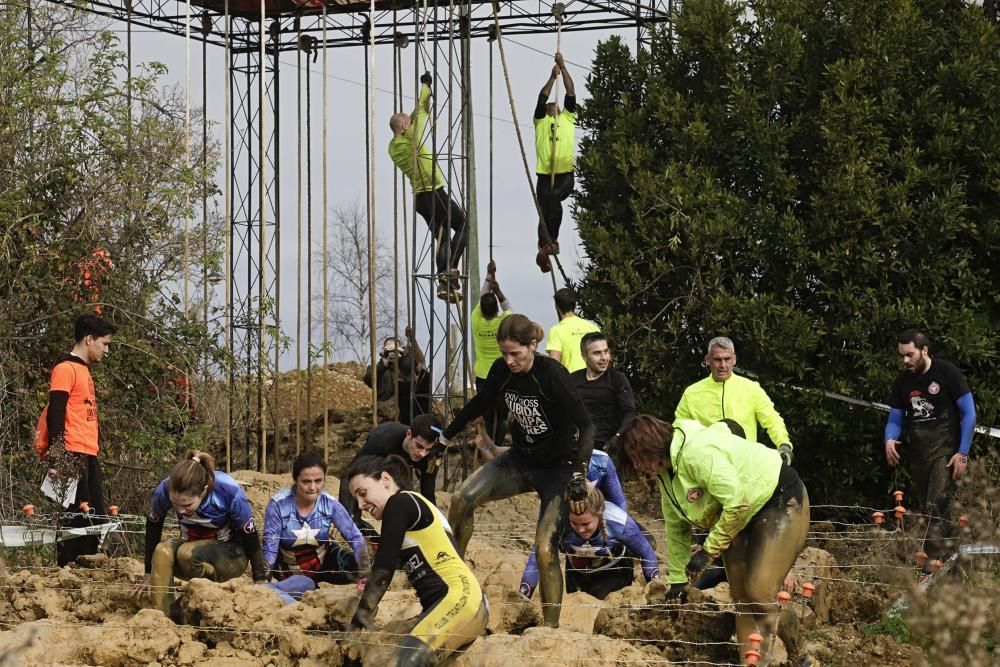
[738, 398]
[719, 482]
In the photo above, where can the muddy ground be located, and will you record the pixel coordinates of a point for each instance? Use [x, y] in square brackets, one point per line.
[87, 615]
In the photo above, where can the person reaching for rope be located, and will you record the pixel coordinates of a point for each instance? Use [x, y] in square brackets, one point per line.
[601, 549]
[409, 152]
[551, 441]
[555, 135]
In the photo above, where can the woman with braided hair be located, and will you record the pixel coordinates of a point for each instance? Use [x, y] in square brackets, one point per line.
[601, 548]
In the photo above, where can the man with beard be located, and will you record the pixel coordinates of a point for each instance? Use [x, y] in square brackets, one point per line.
[932, 410]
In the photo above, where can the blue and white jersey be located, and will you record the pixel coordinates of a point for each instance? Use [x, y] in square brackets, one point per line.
[296, 544]
[602, 473]
[595, 554]
[222, 509]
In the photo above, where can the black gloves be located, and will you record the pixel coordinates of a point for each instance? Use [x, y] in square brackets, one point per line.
[376, 586]
[577, 492]
[427, 79]
[786, 453]
[699, 561]
[677, 593]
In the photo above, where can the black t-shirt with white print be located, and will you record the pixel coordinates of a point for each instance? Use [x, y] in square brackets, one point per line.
[547, 411]
[929, 399]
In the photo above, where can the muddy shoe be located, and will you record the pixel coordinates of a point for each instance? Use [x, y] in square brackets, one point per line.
[542, 260]
[450, 288]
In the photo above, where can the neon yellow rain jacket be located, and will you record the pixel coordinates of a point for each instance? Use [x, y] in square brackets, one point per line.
[738, 398]
[719, 481]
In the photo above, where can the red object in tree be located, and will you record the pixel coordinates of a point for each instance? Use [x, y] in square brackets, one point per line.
[752, 657]
[900, 511]
[878, 518]
[754, 640]
[808, 590]
[29, 510]
[113, 510]
[784, 597]
[920, 558]
[92, 269]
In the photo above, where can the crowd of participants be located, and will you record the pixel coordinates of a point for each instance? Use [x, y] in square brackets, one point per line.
[558, 424]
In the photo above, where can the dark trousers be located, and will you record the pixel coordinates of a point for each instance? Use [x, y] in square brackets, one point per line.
[90, 489]
[550, 198]
[438, 209]
[505, 477]
[602, 583]
[495, 419]
[932, 446]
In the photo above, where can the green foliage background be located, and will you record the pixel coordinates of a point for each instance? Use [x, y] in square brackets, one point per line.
[83, 170]
[810, 178]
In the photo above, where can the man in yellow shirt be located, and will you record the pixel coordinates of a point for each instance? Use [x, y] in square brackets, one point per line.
[563, 343]
[431, 200]
[486, 317]
[555, 136]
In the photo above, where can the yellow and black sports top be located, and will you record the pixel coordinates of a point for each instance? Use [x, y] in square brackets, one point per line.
[416, 538]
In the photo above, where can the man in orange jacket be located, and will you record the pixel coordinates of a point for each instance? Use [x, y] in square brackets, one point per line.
[72, 424]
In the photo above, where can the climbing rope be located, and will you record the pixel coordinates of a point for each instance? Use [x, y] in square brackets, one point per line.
[227, 186]
[326, 255]
[369, 146]
[298, 234]
[520, 141]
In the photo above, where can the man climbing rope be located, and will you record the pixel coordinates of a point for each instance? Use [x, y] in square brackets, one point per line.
[555, 132]
[486, 317]
[431, 200]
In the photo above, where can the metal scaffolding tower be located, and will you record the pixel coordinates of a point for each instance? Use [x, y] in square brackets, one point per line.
[253, 34]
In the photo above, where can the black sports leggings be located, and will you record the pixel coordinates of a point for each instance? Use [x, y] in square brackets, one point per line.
[434, 208]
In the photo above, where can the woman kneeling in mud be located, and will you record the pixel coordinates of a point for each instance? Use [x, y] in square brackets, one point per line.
[218, 536]
[417, 538]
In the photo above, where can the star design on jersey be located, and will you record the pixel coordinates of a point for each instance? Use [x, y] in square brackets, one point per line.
[306, 536]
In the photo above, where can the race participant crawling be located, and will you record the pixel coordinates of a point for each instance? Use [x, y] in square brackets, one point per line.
[551, 441]
[217, 530]
[416, 538]
[600, 551]
[298, 534]
[753, 502]
[601, 473]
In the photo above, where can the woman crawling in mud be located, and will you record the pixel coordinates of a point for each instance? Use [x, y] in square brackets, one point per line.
[601, 545]
[753, 504]
[417, 538]
[218, 535]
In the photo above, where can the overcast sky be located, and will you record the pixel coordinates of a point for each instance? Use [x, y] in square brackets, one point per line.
[514, 218]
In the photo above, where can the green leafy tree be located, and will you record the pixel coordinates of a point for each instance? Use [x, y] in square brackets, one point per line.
[93, 194]
[808, 178]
